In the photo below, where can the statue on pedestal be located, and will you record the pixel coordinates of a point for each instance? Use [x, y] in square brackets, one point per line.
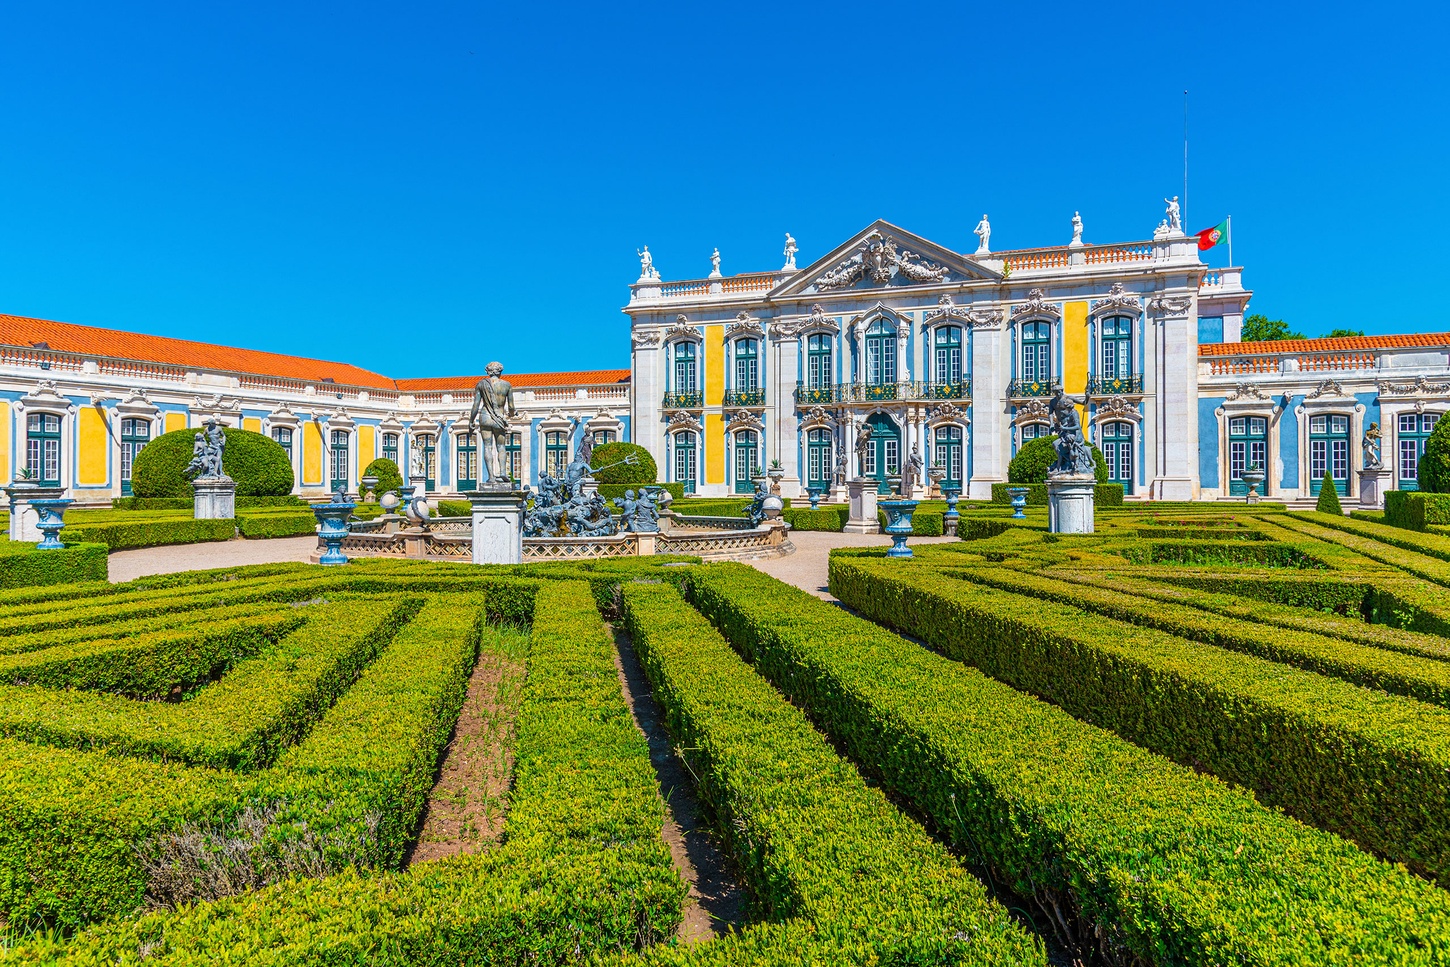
[863, 448]
[206, 452]
[1175, 219]
[790, 250]
[647, 270]
[715, 265]
[1076, 228]
[983, 231]
[842, 467]
[493, 407]
[1371, 447]
[1074, 456]
[914, 465]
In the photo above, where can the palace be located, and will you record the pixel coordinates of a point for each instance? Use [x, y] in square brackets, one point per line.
[891, 356]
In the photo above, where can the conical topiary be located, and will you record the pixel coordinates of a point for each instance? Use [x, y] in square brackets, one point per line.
[1328, 497]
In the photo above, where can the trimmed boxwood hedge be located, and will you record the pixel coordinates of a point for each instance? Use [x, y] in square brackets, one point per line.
[923, 523]
[153, 533]
[820, 519]
[23, 566]
[643, 471]
[256, 462]
[276, 525]
[1104, 494]
[1413, 511]
[1035, 457]
[388, 474]
[186, 503]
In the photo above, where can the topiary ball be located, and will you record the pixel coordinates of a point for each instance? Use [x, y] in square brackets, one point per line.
[257, 463]
[1434, 473]
[642, 472]
[1035, 457]
[388, 474]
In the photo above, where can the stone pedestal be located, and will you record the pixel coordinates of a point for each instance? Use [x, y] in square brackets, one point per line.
[863, 519]
[1372, 487]
[1070, 503]
[216, 498]
[24, 519]
[498, 525]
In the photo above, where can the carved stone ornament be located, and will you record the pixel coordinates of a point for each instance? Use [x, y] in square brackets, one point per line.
[1420, 387]
[216, 404]
[682, 329]
[949, 413]
[744, 325]
[744, 420]
[645, 338]
[681, 420]
[1036, 305]
[945, 309]
[818, 417]
[1117, 302]
[985, 318]
[1116, 408]
[1247, 391]
[1328, 387]
[1171, 306]
[1032, 411]
[136, 404]
[878, 259]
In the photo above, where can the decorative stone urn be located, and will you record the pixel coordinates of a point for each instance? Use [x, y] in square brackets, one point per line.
[1254, 477]
[1019, 502]
[50, 514]
[898, 525]
[776, 473]
[369, 486]
[935, 475]
[332, 528]
[24, 518]
[951, 517]
[814, 492]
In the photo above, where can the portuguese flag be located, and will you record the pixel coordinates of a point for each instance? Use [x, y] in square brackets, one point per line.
[1210, 237]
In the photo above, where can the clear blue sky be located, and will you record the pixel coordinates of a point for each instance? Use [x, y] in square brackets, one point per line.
[418, 188]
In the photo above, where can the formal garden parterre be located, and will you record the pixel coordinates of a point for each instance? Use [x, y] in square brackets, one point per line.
[1202, 735]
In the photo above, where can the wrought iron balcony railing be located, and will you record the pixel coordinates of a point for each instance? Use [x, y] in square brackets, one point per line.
[683, 401]
[959, 390]
[877, 392]
[1115, 385]
[745, 397]
[1019, 388]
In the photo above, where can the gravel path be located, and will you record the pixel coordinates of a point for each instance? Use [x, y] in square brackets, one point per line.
[807, 567]
[125, 565]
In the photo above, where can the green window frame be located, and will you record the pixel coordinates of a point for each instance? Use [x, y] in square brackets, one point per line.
[1036, 353]
[556, 452]
[337, 457]
[1329, 450]
[428, 443]
[135, 434]
[1413, 429]
[686, 368]
[1117, 348]
[42, 448]
[747, 459]
[1116, 443]
[390, 448]
[948, 355]
[747, 365]
[819, 468]
[948, 454]
[686, 463]
[514, 456]
[466, 462]
[819, 372]
[1248, 445]
[880, 355]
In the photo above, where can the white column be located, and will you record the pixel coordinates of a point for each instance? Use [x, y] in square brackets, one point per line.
[785, 442]
[1177, 397]
[990, 443]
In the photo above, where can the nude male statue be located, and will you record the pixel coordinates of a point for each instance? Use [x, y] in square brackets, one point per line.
[493, 407]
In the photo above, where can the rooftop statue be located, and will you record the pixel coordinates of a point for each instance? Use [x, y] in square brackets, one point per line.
[983, 231]
[790, 250]
[1074, 456]
[647, 270]
[715, 264]
[206, 452]
[1076, 228]
[493, 408]
[1175, 218]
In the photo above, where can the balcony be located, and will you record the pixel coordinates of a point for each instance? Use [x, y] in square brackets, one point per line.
[1115, 386]
[745, 397]
[1024, 388]
[958, 390]
[882, 392]
[683, 401]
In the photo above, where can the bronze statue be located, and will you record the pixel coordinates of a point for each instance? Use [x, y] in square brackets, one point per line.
[493, 407]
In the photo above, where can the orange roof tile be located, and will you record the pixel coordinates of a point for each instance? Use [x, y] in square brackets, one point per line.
[68, 337]
[1408, 340]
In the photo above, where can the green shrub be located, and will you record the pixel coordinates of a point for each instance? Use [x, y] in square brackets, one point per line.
[257, 463]
[186, 503]
[277, 525]
[923, 523]
[23, 566]
[643, 471]
[1035, 457]
[388, 474]
[1416, 511]
[1328, 502]
[1434, 467]
[1347, 759]
[455, 508]
[1219, 553]
[1158, 864]
[1104, 494]
[153, 533]
[820, 519]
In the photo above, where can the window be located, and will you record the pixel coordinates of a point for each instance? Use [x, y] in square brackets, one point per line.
[467, 463]
[948, 354]
[819, 374]
[880, 355]
[390, 448]
[948, 454]
[819, 469]
[134, 435]
[685, 460]
[1117, 447]
[1415, 429]
[1329, 451]
[1117, 348]
[747, 459]
[1248, 446]
[601, 437]
[1031, 431]
[337, 462]
[513, 463]
[282, 435]
[556, 452]
[1037, 353]
[747, 365]
[42, 448]
[685, 374]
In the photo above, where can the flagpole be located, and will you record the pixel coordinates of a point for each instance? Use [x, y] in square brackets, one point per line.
[1230, 240]
[1184, 213]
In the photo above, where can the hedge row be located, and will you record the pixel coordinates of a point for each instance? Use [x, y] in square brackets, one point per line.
[23, 566]
[1389, 549]
[1361, 763]
[1157, 864]
[1264, 553]
[152, 533]
[1104, 494]
[277, 525]
[813, 840]
[583, 870]
[240, 722]
[1418, 676]
[1413, 511]
[1430, 544]
[922, 524]
[187, 503]
[821, 519]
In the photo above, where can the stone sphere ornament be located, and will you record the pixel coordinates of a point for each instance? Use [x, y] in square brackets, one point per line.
[389, 501]
[772, 505]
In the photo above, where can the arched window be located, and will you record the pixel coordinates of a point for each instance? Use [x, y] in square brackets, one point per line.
[818, 458]
[948, 454]
[337, 460]
[747, 459]
[135, 434]
[513, 456]
[686, 377]
[747, 365]
[948, 355]
[685, 459]
[1329, 450]
[880, 355]
[819, 372]
[42, 448]
[1414, 430]
[1117, 447]
[467, 462]
[1037, 353]
[282, 435]
[1031, 431]
[1248, 447]
[390, 448]
[556, 452]
[1117, 348]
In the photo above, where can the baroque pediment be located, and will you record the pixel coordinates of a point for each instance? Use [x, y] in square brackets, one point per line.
[884, 256]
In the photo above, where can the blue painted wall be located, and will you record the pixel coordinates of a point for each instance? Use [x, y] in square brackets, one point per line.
[1289, 443]
[1210, 329]
[1208, 454]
